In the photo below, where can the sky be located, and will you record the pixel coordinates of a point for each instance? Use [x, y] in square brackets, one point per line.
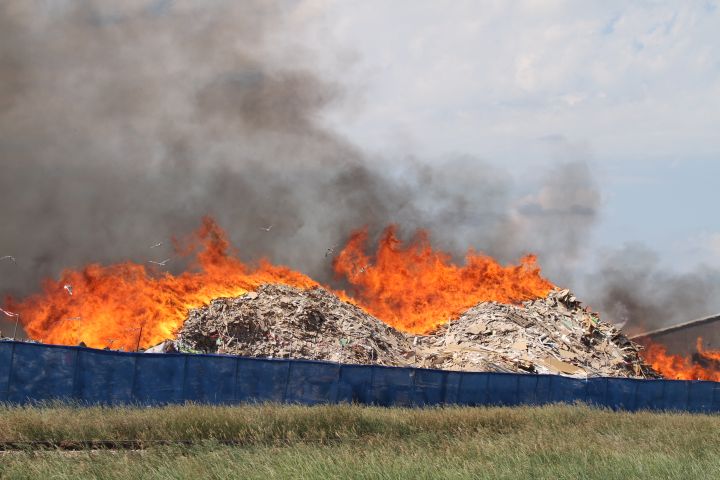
[631, 88]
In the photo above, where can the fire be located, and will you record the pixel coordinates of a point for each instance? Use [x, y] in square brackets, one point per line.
[129, 305]
[415, 288]
[409, 286]
[704, 365]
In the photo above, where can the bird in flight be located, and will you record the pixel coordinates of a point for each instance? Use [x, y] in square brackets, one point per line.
[162, 264]
[68, 287]
[156, 245]
[8, 257]
[267, 229]
[329, 251]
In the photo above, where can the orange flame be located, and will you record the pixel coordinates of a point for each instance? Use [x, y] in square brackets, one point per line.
[127, 305]
[704, 365]
[416, 289]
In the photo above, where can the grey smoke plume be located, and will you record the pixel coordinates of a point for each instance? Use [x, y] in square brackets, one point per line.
[123, 123]
[632, 287]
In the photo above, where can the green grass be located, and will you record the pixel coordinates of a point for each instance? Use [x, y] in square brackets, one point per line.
[270, 441]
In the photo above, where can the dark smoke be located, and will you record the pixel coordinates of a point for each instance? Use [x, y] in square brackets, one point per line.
[121, 126]
[123, 123]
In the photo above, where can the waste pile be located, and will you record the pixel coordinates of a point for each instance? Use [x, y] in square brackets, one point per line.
[279, 321]
[555, 334]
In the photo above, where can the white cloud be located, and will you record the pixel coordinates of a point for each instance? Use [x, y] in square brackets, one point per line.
[634, 79]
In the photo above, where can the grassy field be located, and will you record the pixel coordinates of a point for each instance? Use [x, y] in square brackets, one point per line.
[270, 441]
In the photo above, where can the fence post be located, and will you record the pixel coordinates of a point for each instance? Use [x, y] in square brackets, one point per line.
[605, 393]
[486, 400]
[185, 362]
[287, 380]
[635, 393]
[134, 380]
[371, 393]
[338, 376]
[413, 372]
[235, 383]
[75, 386]
[459, 388]
[10, 370]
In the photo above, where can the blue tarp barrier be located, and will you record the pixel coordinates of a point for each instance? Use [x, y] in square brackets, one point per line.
[34, 372]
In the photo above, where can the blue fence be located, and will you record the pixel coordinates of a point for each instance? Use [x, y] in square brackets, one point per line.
[33, 372]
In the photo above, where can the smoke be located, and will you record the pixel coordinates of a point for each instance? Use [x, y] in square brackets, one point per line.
[632, 287]
[123, 123]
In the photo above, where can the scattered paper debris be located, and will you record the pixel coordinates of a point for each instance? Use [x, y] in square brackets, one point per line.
[549, 335]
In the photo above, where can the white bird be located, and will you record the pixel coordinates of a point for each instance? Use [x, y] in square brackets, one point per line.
[68, 287]
[162, 264]
[8, 257]
[157, 245]
[330, 251]
[267, 229]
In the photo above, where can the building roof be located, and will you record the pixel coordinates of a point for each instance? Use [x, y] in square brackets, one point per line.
[679, 326]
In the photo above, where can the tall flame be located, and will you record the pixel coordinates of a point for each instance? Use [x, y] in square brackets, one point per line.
[409, 286]
[128, 305]
[415, 288]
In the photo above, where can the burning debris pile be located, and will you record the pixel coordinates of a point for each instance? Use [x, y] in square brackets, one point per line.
[280, 321]
[549, 335]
